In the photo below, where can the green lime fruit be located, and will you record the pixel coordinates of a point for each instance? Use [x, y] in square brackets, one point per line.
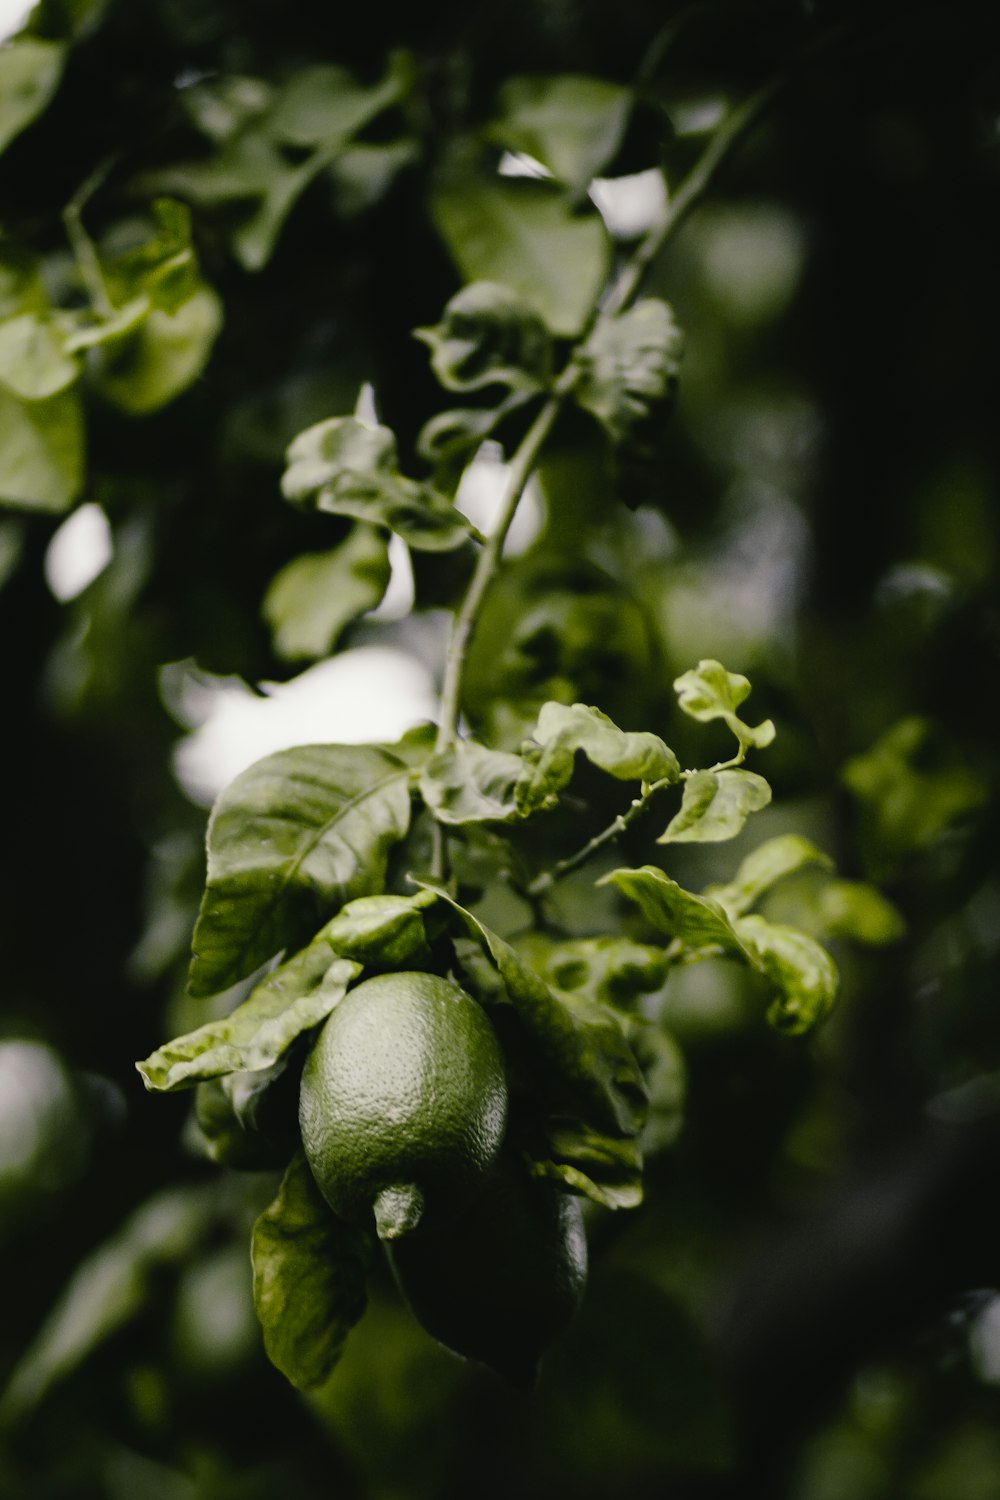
[403, 1104]
[505, 1278]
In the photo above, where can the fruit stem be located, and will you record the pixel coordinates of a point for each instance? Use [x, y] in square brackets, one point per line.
[398, 1210]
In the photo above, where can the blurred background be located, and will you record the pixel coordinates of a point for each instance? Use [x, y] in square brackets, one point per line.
[807, 1305]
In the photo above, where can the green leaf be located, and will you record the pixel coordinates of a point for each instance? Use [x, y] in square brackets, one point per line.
[610, 970]
[363, 173]
[562, 730]
[709, 692]
[382, 931]
[41, 456]
[524, 235]
[489, 336]
[295, 998]
[164, 354]
[107, 1289]
[572, 124]
[30, 71]
[604, 1169]
[853, 909]
[715, 806]
[326, 102]
[629, 367]
[33, 360]
[801, 971]
[309, 1271]
[315, 597]
[581, 1042]
[697, 921]
[662, 1064]
[293, 838]
[760, 871]
[467, 783]
[163, 267]
[347, 467]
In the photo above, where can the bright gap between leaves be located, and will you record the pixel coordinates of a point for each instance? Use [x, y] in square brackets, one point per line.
[13, 15]
[78, 552]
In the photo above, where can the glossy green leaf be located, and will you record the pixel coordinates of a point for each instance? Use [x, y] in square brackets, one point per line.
[489, 335]
[771, 862]
[525, 235]
[698, 921]
[41, 456]
[572, 124]
[709, 692]
[291, 840]
[347, 467]
[314, 597]
[662, 1064]
[611, 970]
[383, 931]
[605, 1169]
[629, 366]
[581, 1042]
[30, 71]
[801, 971]
[855, 910]
[715, 806]
[33, 359]
[162, 357]
[563, 729]
[467, 783]
[107, 1289]
[295, 998]
[309, 1271]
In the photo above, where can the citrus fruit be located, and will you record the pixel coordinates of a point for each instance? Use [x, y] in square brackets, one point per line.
[505, 1278]
[403, 1103]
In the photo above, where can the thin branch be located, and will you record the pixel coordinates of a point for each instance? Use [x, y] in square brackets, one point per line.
[84, 252]
[614, 830]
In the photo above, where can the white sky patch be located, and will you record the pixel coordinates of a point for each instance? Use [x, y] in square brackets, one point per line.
[696, 116]
[366, 407]
[630, 205]
[13, 14]
[78, 552]
[520, 164]
[373, 693]
[398, 599]
[480, 495]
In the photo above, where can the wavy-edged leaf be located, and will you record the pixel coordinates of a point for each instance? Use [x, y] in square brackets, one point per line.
[605, 1169]
[611, 970]
[33, 359]
[348, 467]
[562, 730]
[295, 998]
[383, 931]
[30, 70]
[629, 367]
[488, 335]
[709, 692]
[572, 123]
[580, 1041]
[715, 806]
[468, 783]
[294, 837]
[163, 355]
[41, 456]
[800, 969]
[316, 596]
[309, 1272]
[698, 921]
[769, 863]
[524, 235]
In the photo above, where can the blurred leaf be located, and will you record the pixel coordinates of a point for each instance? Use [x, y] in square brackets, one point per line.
[662, 1064]
[107, 1289]
[164, 354]
[363, 173]
[709, 692]
[524, 235]
[802, 972]
[629, 366]
[33, 360]
[770, 862]
[611, 970]
[41, 457]
[309, 1271]
[853, 909]
[325, 102]
[295, 998]
[605, 1169]
[30, 71]
[315, 597]
[163, 267]
[697, 921]
[467, 783]
[348, 468]
[489, 336]
[563, 729]
[572, 124]
[296, 835]
[715, 806]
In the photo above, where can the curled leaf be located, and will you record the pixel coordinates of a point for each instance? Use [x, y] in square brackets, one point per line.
[800, 969]
[629, 367]
[715, 806]
[489, 335]
[709, 692]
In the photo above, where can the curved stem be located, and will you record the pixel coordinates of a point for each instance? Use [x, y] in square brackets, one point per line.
[548, 878]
